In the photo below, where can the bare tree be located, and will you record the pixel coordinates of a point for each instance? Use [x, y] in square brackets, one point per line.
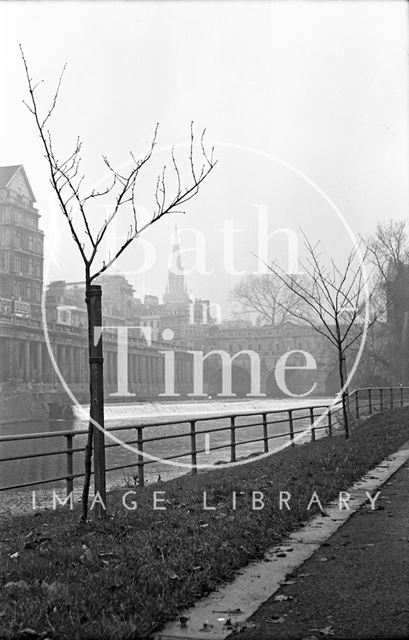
[389, 246]
[389, 253]
[268, 298]
[336, 300]
[74, 202]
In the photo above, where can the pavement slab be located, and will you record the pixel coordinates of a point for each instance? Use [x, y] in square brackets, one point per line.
[257, 605]
[356, 585]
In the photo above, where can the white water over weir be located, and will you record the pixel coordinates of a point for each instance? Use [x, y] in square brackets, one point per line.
[196, 409]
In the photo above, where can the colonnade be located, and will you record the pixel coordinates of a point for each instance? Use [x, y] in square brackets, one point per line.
[27, 360]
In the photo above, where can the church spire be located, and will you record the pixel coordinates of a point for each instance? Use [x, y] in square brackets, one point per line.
[176, 287]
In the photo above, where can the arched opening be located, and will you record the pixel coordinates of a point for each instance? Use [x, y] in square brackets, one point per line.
[213, 380]
[297, 381]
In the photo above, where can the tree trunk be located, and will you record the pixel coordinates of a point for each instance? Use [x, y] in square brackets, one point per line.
[344, 395]
[96, 424]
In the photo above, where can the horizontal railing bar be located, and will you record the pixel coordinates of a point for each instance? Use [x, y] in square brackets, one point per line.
[42, 434]
[186, 434]
[57, 434]
[36, 455]
[162, 437]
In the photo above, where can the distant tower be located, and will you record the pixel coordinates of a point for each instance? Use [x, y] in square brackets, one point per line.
[21, 244]
[176, 292]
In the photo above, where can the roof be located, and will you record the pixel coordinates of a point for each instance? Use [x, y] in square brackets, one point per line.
[7, 174]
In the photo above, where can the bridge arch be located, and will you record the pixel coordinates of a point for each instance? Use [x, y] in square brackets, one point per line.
[298, 381]
[241, 379]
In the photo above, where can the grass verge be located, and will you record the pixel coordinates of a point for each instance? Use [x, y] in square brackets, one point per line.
[125, 577]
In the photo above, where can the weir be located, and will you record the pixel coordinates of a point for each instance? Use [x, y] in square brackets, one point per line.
[198, 408]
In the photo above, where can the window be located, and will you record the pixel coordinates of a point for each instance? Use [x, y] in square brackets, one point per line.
[37, 295]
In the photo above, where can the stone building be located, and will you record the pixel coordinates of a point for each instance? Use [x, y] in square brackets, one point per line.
[21, 245]
[270, 344]
[25, 361]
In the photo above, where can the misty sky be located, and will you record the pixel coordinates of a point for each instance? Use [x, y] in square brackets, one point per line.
[284, 89]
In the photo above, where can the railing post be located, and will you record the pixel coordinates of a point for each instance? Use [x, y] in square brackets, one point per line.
[265, 432]
[233, 439]
[311, 423]
[401, 396]
[141, 478]
[329, 423]
[391, 394]
[370, 400]
[290, 421]
[193, 446]
[381, 397]
[69, 467]
[357, 403]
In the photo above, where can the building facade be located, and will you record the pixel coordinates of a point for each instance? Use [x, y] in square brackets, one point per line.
[21, 245]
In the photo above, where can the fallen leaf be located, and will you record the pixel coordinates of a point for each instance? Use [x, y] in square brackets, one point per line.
[29, 633]
[173, 575]
[282, 598]
[276, 620]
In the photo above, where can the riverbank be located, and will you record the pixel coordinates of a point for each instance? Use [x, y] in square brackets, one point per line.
[22, 406]
[159, 552]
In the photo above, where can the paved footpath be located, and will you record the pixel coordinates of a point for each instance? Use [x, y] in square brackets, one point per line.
[355, 586]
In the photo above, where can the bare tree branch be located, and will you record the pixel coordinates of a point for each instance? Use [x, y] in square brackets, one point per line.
[68, 185]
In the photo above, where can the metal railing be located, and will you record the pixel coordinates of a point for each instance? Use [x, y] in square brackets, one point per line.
[362, 401]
